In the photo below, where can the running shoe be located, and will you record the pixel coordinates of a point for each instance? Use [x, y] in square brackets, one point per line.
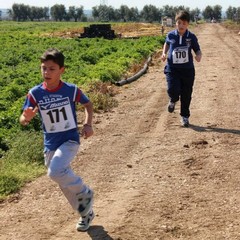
[185, 122]
[171, 106]
[85, 200]
[85, 221]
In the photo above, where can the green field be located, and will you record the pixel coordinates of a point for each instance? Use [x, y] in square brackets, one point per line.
[88, 61]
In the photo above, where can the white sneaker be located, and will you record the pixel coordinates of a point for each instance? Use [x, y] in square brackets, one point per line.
[185, 122]
[85, 200]
[85, 221]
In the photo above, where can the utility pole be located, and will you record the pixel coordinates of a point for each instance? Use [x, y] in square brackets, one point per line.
[103, 11]
[103, 2]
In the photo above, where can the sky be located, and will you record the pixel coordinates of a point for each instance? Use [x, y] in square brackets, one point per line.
[139, 4]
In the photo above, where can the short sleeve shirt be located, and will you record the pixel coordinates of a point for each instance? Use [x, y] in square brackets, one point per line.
[180, 49]
[57, 109]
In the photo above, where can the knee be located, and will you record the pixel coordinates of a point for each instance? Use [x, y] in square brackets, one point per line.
[55, 175]
[173, 90]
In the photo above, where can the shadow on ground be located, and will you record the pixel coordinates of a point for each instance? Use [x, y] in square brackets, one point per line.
[98, 233]
[214, 129]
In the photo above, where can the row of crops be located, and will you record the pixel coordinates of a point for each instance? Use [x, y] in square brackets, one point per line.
[87, 61]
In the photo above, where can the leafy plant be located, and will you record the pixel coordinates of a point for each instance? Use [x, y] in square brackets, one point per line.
[93, 64]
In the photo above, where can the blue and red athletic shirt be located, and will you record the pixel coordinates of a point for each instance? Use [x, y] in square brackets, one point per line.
[180, 49]
[57, 110]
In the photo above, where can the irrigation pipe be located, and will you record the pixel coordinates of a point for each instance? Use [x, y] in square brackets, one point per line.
[137, 75]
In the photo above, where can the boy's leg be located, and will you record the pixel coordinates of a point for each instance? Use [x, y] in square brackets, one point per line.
[173, 86]
[173, 90]
[59, 170]
[186, 92]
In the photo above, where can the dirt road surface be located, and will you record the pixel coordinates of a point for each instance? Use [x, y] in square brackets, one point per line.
[153, 179]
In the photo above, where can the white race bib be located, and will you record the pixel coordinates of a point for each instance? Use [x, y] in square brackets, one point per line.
[57, 115]
[180, 55]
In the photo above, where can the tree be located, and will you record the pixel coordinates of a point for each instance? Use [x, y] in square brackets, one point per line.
[217, 12]
[213, 12]
[176, 9]
[75, 13]
[150, 13]
[237, 15]
[104, 12]
[37, 13]
[20, 12]
[168, 11]
[194, 13]
[46, 13]
[58, 12]
[112, 14]
[208, 12]
[233, 13]
[124, 10]
[117, 14]
[230, 12]
[95, 12]
[133, 14]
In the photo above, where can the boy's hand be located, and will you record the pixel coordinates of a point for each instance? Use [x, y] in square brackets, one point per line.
[198, 58]
[87, 131]
[29, 113]
[164, 57]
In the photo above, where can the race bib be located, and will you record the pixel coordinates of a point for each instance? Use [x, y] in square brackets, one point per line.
[57, 115]
[180, 55]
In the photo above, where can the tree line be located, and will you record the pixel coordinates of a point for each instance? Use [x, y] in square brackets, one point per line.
[149, 13]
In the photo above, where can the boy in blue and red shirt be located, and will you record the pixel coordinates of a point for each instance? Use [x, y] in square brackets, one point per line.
[179, 70]
[55, 102]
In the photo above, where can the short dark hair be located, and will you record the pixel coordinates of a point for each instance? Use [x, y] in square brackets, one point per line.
[53, 54]
[183, 15]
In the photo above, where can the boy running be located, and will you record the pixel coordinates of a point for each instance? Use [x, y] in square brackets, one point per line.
[55, 101]
[179, 70]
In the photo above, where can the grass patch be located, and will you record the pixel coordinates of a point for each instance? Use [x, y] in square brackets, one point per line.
[22, 163]
[101, 95]
[234, 26]
[8, 184]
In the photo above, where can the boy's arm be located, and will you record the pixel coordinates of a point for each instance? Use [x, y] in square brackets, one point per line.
[198, 56]
[27, 115]
[196, 48]
[87, 130]
[165, 50]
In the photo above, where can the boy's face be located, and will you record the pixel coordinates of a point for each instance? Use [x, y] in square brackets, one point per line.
[182, 26]
[51, 73]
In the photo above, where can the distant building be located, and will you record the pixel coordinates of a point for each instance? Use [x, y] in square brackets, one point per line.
[167, 22]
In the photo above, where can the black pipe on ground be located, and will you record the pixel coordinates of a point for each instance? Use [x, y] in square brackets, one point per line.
[136, 76]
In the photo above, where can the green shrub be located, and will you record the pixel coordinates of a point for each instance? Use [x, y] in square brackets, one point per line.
[26, 147]
[8, 185]
[22, 162]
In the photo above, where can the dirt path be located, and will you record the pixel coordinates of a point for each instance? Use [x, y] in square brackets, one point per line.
[153, 180]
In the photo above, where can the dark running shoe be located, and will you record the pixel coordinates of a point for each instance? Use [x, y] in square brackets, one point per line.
[185, 122]
[171, 107]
